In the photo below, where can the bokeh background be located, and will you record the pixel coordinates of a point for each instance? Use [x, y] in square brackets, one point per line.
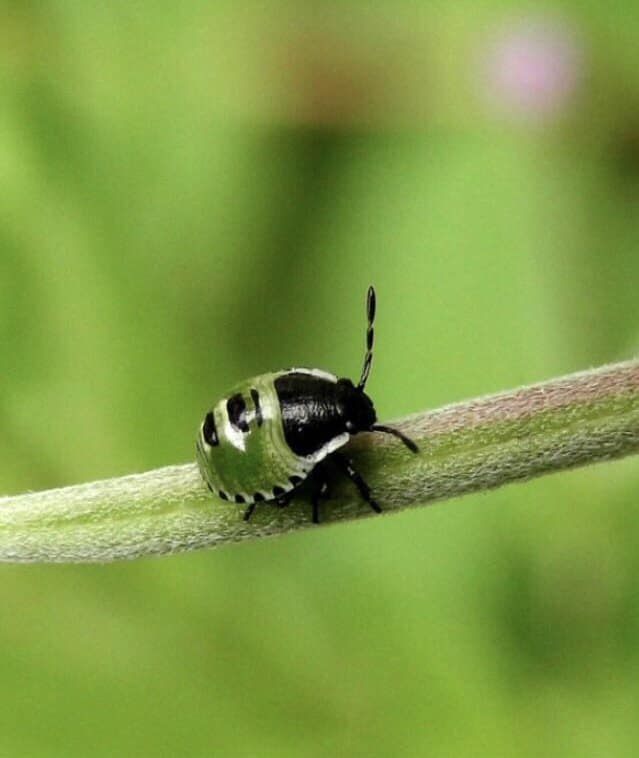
[196, 192]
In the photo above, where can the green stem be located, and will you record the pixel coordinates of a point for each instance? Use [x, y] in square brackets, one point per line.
[476, 445]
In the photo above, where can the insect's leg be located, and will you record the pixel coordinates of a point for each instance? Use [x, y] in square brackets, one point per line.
[249, 511]
[364, 490]
[283, 500]
[320, 489]
[324, 492]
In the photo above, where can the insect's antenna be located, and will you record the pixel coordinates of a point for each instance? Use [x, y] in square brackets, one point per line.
[370, 336]
[396, 433]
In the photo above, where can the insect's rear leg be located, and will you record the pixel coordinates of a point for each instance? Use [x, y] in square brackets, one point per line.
[281, 502]
[284, 500]
[364, 490]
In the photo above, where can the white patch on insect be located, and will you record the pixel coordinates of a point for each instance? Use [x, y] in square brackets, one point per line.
[235, 436]
[315, 372]
[329, 447]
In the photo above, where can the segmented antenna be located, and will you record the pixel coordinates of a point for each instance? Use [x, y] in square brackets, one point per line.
[370, 336]
[366, 369]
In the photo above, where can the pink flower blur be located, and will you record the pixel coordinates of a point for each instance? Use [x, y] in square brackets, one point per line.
[534, 67]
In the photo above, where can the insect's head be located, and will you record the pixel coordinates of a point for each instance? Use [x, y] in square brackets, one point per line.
[358, 410]
[355, 407]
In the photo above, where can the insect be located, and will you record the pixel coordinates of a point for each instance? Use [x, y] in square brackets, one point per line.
[272, 432]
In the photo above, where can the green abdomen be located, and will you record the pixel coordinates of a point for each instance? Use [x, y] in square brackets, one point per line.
[251, 460]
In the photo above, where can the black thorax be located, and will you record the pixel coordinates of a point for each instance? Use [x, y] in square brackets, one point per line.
[310, 411]
[316, 410]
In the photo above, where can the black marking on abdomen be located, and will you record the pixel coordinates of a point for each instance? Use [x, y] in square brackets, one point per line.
[255, 396]
[209, 432]
[223, 495]
[277, 490]
[236, 409]
[258, 497]
[240, 499]
[295, 480]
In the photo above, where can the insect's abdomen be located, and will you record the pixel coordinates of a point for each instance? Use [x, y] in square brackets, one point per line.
[241, 449]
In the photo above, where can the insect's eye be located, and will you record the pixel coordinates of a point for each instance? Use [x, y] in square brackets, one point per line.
[350, 427]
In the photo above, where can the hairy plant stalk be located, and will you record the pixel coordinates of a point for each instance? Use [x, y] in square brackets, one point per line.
[475, 445]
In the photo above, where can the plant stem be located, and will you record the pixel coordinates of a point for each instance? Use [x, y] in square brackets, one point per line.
[476, 445]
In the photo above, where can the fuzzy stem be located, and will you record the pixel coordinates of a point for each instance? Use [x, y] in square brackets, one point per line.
[476, 445]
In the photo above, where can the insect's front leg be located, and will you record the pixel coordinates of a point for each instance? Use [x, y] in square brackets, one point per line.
[347, 467]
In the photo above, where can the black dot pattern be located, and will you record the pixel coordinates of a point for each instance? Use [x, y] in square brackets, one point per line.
[209, 432]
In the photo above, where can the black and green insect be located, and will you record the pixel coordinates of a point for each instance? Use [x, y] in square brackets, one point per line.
[274, 431]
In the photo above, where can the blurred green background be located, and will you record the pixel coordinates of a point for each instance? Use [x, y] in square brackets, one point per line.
[193, 193]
